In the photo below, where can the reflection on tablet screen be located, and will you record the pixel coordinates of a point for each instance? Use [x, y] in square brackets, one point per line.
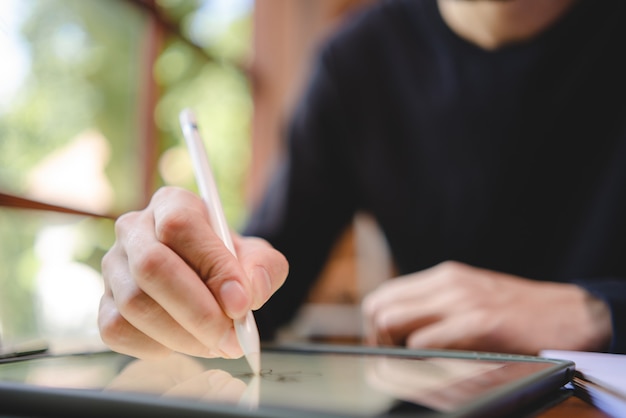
[355, 384]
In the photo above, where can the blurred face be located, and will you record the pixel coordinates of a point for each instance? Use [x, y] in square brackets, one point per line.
[493, 23]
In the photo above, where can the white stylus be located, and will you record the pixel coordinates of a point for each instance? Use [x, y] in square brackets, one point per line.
[246, 329]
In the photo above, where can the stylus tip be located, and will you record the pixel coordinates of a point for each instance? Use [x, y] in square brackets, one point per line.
[254, 360]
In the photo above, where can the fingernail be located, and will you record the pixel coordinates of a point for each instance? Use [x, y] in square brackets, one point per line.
[234, 299]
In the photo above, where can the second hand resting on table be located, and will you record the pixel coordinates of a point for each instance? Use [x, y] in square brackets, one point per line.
[457, 306]
[172, 285]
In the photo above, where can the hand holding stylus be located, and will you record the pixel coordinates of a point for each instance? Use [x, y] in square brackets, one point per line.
[172, 285]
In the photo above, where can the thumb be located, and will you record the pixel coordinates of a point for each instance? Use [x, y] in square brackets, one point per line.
[266, 267]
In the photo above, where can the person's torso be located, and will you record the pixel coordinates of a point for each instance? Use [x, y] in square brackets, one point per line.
[513, 160]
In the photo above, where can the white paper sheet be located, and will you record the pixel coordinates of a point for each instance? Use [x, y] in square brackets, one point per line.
[607, 371]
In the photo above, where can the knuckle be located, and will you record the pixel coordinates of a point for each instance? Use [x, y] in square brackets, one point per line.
[164, 194]
[171, 225]
[146, 264]
[169, 192]
[161, 193]
[449, 267]
[451, 272]
[125, 222]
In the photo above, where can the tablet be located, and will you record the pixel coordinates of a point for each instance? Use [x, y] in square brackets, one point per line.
[295, 381]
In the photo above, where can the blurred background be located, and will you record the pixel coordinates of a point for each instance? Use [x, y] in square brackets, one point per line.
[90, 92]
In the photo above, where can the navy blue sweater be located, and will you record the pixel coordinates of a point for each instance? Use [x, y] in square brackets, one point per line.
[512, 160]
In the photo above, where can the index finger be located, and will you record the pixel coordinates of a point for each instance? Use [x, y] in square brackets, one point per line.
[182, 224]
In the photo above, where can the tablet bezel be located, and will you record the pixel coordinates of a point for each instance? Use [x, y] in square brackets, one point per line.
[531, 392]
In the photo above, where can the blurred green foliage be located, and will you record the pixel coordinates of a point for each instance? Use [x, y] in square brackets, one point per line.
[88, 72]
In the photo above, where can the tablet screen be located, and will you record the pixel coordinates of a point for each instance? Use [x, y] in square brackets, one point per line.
[335, 383]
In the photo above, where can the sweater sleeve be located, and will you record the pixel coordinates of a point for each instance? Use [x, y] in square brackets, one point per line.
[613, 292]
[309, 202]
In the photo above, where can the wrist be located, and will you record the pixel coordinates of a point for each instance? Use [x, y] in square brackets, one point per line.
[599, 317]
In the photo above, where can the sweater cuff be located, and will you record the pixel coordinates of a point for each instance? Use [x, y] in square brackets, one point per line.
[613, 293]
